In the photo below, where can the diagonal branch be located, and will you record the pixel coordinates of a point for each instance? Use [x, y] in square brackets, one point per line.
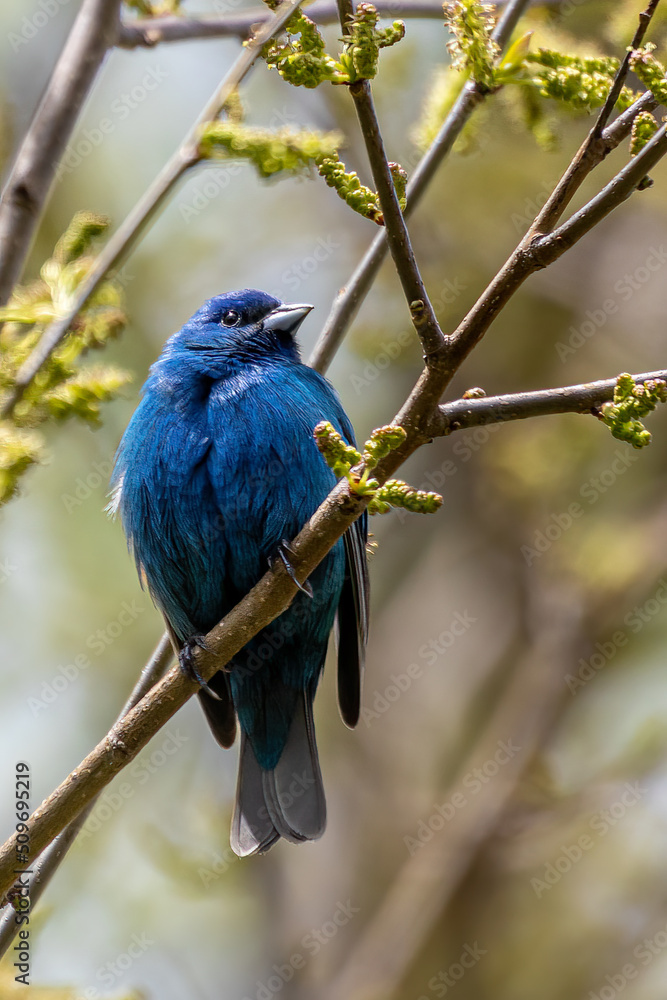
[31, 177]
[625, 183]
[398, 238]
[149, 204]
[268, 599]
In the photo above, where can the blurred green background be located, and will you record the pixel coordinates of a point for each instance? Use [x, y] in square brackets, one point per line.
[536, 636]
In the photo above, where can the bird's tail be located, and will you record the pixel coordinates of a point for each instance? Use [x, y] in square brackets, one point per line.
[287, 801]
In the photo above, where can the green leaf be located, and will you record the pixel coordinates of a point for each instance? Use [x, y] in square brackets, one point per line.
[271, 152]
[632, 402]
[472, 48]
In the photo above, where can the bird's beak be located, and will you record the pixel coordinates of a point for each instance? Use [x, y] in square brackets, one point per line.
[287, 318]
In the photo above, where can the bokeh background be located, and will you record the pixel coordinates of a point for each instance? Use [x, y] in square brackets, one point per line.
[498, 821]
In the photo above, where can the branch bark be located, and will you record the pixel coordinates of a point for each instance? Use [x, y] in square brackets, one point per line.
[585, 398]
[31, 177]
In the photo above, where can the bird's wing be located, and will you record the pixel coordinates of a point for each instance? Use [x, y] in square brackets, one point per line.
[220, 715]
[353, 622]
[353, 607]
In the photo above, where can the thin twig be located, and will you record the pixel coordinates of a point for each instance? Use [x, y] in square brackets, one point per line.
[398, 239]
[619, 188]
[607, 109]
[147, 206]
[150, 31]
[51, 859]
[621, 126]
[30, 180]
[585, 398]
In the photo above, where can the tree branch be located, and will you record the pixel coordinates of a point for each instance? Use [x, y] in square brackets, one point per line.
[584, 398]
[30, 180]
[148, 205]
[615, 193]
[265, 602]
[150, 31]
[398, 239]
[607, 109]
[595, 148]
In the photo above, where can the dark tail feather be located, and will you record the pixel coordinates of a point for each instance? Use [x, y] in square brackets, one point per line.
[293, 791]
[252, 831]
[220, 715]
[285, 802]
[352, 623]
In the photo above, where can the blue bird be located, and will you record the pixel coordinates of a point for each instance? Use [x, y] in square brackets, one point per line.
[217, 469]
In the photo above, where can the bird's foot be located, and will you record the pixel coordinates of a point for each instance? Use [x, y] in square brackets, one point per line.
[284, 552]
[186, 662]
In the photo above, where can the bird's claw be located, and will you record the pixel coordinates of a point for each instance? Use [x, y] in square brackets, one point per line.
[188, 666]
[284, 551]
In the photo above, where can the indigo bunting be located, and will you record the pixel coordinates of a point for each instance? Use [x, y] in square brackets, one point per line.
[217, 469]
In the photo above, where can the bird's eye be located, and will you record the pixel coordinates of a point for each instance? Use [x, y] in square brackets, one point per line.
[230, 318]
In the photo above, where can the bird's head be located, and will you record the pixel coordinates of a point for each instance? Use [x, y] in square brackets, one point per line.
[238, 328]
